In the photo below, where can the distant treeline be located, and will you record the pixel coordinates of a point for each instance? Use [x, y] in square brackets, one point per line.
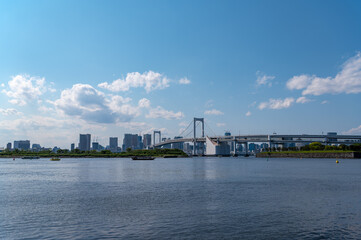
[317, 146]
[103, 153]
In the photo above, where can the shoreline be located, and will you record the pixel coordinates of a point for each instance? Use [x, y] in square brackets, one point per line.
[316, 154]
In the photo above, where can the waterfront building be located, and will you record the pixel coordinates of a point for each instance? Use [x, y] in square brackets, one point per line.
[95, 146]
[22, 144]
[130, 141]
[140, 142]
[84, 142]
[72, 147]
[215, 149]
[8, 146]
[147, 140]
[113, 144]
[178, 145]
[35, 147]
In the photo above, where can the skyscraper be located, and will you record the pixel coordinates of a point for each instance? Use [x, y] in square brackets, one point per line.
[84, 142]
[72, 146]
[8, 146]
[130, 141]
[147, 140]
[113, 144]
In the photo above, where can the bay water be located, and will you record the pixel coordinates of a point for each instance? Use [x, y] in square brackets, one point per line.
[180, 198]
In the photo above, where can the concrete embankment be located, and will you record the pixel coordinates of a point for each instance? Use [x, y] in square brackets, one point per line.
[310, 155]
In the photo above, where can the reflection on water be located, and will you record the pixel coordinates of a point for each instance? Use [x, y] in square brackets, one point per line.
[197, 198]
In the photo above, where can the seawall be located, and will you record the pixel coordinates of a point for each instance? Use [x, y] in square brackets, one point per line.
[310, 155]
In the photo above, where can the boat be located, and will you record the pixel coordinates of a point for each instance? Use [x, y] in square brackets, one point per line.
[30, 157]
[54, 159]
[143, 158]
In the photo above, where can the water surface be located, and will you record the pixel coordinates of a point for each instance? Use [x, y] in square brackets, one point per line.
[192, 198]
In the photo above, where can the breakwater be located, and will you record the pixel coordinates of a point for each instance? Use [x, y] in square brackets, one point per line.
[309, 155]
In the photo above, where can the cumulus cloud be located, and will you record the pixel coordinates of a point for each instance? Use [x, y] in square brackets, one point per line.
[324, 102]
[354, 131]
[148, 80]
[221, 124]
[276, 103]
[213, 112]
[302, 100]
[348, 80]
[248, 114]
[263, 79]
[87, 103]
[160, 112]
[24, 89]
[144, 103]
[184, 81]
[9, 111]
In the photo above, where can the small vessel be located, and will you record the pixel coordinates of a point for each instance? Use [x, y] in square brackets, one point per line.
[54, 159]
[30, 157]
[143, 158]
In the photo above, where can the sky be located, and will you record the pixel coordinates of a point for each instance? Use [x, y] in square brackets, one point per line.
[114, 67]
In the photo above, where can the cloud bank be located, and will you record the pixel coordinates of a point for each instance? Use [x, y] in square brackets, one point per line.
[348, 80]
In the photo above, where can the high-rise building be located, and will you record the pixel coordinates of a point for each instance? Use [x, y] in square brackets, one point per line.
[84, 142]
[22, 144]
[95, 146]
[147, 140]
[140, 142]
[113, 144]
[178, 145]
[72, 147]
[8, 146]
[130, 141]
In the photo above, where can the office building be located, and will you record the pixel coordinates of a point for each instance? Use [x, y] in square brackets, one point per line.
[113, 144]
[8, 146]
[95, 146]
[22, 144]
[72, 147]
[36, 147]
[147, 140]
[131, 141]
[84, 142]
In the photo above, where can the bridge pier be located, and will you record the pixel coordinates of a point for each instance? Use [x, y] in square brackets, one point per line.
[195, 120]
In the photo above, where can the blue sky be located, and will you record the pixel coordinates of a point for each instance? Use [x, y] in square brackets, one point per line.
[114, 67]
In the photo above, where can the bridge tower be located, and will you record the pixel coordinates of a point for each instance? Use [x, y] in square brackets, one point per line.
[160, 136]
[195, 120]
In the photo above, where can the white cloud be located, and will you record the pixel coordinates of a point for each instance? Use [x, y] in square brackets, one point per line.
[221, 124]
[87, 103]
[183, 124]
[302, 100]
[276, 103]
[348, 80]
[184, 81]
[144, 103]
[209, 103]
[148, 80]
[263, 79]
[24, 89]
[248, 114]
[2, 85]
[354, 131]
[160, 112]
[213, 112]
[324, 102]
[9, 111]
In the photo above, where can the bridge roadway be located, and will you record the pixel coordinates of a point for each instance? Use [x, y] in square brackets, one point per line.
[273, 139]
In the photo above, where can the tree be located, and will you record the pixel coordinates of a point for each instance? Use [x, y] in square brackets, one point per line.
[129, 149]
[316, 146]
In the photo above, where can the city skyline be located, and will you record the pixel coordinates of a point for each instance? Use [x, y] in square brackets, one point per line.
[111, 68]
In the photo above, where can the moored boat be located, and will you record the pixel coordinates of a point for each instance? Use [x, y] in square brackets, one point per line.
[54, 159]
[30, 157]
[143, 158]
